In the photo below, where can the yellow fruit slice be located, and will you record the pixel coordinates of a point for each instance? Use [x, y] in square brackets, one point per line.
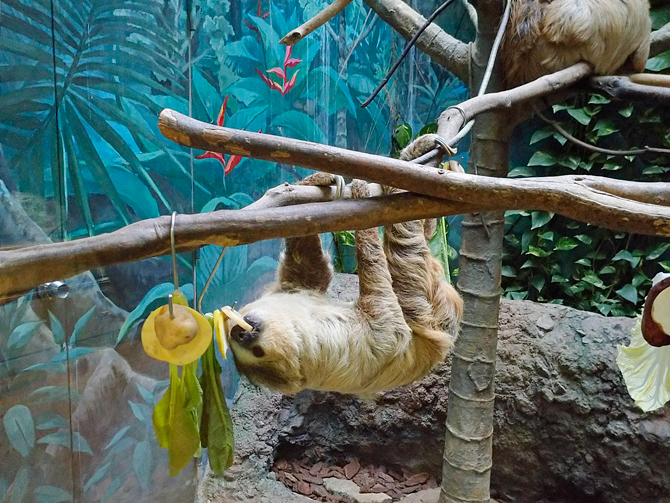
[221, 332]
[236, 317]
[182, 353]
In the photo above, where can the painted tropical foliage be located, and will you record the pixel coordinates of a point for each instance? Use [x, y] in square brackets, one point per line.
[81, 85]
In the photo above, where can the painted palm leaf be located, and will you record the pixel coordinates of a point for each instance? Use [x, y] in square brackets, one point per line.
[75, 78]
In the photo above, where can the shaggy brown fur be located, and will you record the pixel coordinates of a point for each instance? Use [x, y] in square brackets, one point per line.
[404, 322]
[544, 36]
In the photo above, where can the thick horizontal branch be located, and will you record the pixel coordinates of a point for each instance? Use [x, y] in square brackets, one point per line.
[25, 268]
[328, 13]
[441, 47]
[593, 200]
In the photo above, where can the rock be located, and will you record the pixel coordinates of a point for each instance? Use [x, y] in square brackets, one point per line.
[419, 478]
[304, 488]
[378, 488]
[425, 496]
[372, 498]
[341, 487]
[351, 469]
[566, 430]
[556, 378]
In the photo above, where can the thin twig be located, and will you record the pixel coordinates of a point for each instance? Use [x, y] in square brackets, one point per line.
[594, 148]
[408, 46]
[442, 48]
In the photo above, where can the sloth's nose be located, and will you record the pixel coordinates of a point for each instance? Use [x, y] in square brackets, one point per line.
[244, 338]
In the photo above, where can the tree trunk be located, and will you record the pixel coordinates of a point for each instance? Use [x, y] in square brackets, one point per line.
[466, 470]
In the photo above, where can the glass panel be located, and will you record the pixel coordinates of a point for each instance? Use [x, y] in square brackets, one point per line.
[36, 399]
[122, 62]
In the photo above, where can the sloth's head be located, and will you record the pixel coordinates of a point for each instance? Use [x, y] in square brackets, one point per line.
[269, 354]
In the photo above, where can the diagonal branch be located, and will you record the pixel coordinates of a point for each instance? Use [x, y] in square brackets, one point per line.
[296, 35]
[660, 40]
[441, 47]
[583, 198]
[638, 207]
[25, 268]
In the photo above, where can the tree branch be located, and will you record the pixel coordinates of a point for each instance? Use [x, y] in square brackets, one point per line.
[660, 41]
[619, 205]
[580, 197]
[441, 47]
[25, 268]
[295, 36]
[622, 88]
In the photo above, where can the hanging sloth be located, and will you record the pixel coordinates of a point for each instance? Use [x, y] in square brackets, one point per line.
[544, 36]
[404, 321]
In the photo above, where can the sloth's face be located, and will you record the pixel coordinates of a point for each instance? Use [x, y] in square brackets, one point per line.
[268, 354]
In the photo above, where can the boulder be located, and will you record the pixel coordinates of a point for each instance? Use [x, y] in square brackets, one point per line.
[566, 429]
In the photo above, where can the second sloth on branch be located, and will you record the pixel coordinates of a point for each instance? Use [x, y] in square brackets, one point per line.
[546, 36]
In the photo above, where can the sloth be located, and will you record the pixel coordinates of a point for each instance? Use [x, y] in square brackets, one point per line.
[546, 36]
[404, 322]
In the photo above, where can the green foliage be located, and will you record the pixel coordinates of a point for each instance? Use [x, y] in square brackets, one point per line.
[344, 258]
[216, 429]
[550, 258]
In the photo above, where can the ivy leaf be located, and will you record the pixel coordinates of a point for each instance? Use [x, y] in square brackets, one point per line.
[597, 99]
[508, 271]
[604, 128]
[628, 292]
[542, 159]
[537, 252]
[580, 115]
[659, 63]
[538, 282]
[657, 251]
[565, 244]
[627, 256]
[592, 279]
[540, 135]
[521, 172]
[540, 218]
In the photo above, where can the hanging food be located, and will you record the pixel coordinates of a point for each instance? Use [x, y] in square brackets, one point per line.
[656, 314]
[178, 337]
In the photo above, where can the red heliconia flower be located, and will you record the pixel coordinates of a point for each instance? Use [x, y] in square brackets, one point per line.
[287, 84]
[260, 15]
[233, 160]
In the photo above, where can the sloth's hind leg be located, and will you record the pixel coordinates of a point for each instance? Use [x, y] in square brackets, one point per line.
[427, 300]
[376, 301]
